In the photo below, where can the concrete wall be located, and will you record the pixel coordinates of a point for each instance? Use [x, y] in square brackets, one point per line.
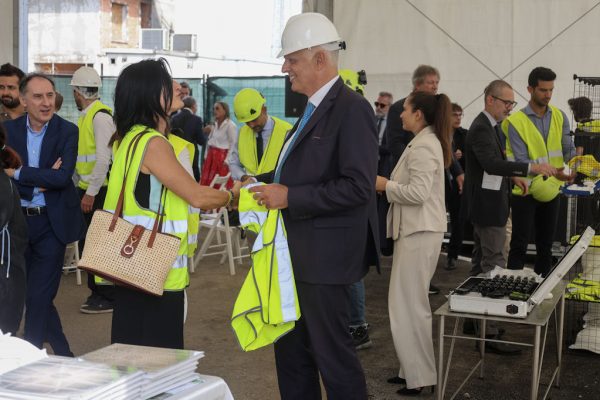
[6, 32]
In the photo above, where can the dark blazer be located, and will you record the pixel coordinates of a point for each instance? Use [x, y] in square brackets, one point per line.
[488, 207]
[331, 219]
[396, 137]
[189, 126]
[62, 201]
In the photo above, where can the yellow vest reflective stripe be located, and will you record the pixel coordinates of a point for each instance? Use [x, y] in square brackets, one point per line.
[175, 220]
[267, 304]
[179, 145]
[247, 148]
[590, 126]
[538, 150]
[583, 289]
[86, 148]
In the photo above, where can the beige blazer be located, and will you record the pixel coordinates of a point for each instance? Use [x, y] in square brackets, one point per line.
[416, 188]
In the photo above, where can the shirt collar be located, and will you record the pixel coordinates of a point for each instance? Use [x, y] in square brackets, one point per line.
[269, 125]
[320, 94]
[85, 110]
[30, 130]
[492, 119]
[529, 111]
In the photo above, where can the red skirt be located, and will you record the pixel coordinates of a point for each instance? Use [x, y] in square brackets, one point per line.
[215, 165]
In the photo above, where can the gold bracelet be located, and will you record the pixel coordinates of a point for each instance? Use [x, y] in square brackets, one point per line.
[230, 199]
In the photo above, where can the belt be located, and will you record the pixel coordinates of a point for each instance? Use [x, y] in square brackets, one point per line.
[32, 211]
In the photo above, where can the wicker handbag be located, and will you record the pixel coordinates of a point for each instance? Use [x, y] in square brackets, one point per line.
[127, 254]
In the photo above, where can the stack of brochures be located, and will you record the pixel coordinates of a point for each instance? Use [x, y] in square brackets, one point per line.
[164, 369]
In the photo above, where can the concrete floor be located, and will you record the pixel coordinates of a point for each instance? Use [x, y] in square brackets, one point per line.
[252, 375]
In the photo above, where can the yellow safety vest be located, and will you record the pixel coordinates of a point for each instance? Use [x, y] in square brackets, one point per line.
[267, 304]
[175, 219]
[590, 126]
[86, 149]
[179, 145]
[583, 289]
[538, 150]
[247, 148]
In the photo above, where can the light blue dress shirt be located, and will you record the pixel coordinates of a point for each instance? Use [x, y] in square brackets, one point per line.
[34, 147]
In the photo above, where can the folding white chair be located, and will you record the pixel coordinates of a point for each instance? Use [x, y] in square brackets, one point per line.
[217, 223]
[71, 260]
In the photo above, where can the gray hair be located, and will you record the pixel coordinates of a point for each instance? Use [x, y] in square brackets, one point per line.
[422, 72]
[189, 102]
[494, 88]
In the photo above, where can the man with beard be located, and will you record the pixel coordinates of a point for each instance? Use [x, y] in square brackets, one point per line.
[260, 139]
[10, 107]
[539, 133]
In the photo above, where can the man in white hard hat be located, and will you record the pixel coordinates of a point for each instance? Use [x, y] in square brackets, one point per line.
[324, 183]
[93, 159]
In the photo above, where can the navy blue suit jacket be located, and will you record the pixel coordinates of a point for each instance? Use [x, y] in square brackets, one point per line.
[62, 201]
[331, 219]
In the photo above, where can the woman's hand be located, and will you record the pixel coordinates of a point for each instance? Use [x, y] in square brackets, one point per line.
[380, 183]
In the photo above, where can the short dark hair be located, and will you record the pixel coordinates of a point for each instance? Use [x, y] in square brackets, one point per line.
[187, 86]
[25, 81]
[138, 93]
[540, 74]
[581, 107]
[456, 107]
[189, 102]
[10, 70]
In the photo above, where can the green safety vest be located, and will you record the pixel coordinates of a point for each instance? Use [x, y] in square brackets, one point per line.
[583, 289]
[175, 221]
[539, 152]
[86, 148]
[267, 304]
[179, 145]
[590, 126]
[247, 148]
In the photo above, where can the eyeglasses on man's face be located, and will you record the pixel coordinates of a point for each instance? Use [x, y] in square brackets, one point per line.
[380, 105]
[507, 103]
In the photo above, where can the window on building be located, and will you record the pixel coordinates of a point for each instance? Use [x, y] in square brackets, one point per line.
[146, 15]
[119, 22]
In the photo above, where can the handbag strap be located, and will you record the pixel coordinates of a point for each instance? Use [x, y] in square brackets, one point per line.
[158, 221]
[119, 209]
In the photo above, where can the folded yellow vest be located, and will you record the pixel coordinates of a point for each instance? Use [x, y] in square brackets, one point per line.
[267, 304]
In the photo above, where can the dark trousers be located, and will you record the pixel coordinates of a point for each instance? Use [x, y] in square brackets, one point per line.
[44, 259]
[458, 218]
[320, 343]
[106, 292]
[146, 320]
[528, 214]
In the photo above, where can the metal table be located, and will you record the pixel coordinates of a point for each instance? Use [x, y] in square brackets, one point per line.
[538, 318]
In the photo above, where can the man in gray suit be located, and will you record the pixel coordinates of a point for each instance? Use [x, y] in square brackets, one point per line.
[487, 186]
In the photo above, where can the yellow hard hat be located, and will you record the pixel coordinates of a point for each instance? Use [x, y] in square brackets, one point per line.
[247, 104]
[545, 189]
[352, 79]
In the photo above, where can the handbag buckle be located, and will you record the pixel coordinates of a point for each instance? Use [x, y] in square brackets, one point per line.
[132, 241]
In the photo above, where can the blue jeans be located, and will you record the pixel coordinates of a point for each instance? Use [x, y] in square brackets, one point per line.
[357, 304]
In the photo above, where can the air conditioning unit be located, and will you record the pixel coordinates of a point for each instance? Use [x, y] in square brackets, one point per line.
[184, 42]
[155, 39]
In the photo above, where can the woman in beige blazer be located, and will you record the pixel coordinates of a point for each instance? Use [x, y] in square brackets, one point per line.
[416, 221]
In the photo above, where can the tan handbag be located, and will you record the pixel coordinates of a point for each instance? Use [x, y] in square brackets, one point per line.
[127, 254]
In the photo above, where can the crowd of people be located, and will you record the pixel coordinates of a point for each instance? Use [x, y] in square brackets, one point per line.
[352, 184]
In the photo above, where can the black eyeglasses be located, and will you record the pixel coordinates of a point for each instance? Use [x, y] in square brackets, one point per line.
[380, 105]
[507, 103]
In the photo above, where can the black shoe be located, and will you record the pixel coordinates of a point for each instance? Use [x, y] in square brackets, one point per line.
[433, 289]
[360, 337]
[500, 348]
[97, 307]
[412, 392]
[396, 380]
[451, 264]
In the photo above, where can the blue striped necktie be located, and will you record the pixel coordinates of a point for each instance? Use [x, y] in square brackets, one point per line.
[307, 113]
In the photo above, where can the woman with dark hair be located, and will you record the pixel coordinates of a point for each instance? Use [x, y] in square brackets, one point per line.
[222, 137]
[154, 178]
[13, 242]
[417, 221]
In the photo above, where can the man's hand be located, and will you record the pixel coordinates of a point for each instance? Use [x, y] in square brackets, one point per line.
[10, 172]
[569, 178]
[458, 154]
[87, 203]
[236, 195]
[522, 183]
[460, 181]
[273, 196]
[57, 163]
[543, 169]
[380, 183]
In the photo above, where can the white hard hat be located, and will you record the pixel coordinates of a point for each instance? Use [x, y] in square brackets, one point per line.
[307, 30]
[86, 77]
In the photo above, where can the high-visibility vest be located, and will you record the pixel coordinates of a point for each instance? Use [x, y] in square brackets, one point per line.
[86, 148]
[175, 220]
[538, 150]
[179, 145]
[247, 148]
[583, 289]
[590, 126]
[267, 304]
